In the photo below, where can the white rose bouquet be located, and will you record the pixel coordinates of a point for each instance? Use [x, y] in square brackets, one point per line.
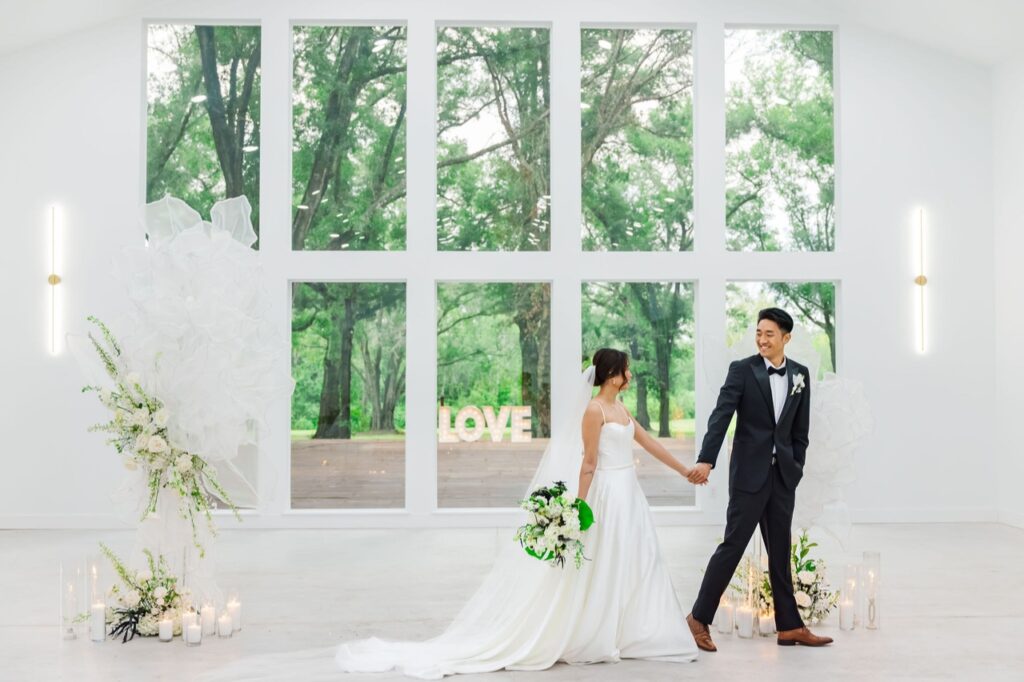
[139, 433]
[144, 598]
[558, 521]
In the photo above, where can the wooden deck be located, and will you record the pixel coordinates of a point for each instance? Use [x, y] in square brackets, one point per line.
[370, 474]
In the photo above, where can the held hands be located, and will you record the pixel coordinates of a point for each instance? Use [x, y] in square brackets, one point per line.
[698, 475]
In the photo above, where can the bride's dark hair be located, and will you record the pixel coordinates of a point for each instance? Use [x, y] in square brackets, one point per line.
[608, 363]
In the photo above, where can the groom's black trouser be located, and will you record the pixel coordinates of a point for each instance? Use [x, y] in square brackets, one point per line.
[772, 508]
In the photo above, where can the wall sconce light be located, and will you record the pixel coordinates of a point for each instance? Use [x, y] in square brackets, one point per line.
[921, 281]
[54, 279]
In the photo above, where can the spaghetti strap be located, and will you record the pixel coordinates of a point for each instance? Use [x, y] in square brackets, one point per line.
[625, 412]
[603, 415]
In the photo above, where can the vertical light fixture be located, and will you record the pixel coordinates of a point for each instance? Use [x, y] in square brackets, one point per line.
[54, 279]
[921, 281]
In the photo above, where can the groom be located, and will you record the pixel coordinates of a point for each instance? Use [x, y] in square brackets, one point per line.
[772, 396]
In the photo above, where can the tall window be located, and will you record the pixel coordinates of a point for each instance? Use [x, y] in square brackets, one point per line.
[348, 131]
[637, 139]
[493, 123]
[203, 114]
[654, 323]
[780, 178]
[493, 388]
[348, 408]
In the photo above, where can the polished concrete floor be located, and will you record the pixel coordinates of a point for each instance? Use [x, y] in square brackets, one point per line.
[952, 605]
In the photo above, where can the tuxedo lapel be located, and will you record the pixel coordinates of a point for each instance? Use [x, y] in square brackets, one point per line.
[790, 397]
[761, 374]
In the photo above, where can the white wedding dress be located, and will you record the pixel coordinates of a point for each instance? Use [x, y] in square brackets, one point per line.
[528, 615]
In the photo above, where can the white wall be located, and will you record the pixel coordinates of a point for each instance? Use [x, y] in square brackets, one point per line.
[914, 128]
[1008, 142]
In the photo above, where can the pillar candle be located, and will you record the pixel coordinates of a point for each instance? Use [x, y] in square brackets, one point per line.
[208, 618]
[766, 622]
[166, 627]
[195, 634]
[235, 609]
[187, 618]
[224, 625]
[98, 621]
[745, 621]
[846, 611]
[725, 617]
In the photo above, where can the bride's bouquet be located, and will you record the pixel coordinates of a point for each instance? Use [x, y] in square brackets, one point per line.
[558, 520]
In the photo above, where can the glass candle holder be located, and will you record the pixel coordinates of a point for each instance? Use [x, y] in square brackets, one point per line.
[872, 587]
[745, 616]
[766, 622]
[725, 618]
[851, 591]
[71, 597]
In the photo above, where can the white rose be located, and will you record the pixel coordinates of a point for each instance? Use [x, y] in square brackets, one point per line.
[802, 599]
[131, 600]
[161, 417]
[183, 463]
[142, 442]
[555, 509]
[156, 444]
[132, 378]
[160, 592]
[160, 601]
[806, 577]
[140, 417]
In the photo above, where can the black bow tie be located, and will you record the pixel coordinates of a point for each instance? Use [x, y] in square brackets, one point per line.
[781, 371]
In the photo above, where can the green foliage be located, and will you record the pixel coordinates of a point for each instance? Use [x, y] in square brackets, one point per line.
[483, 355]
[182, 158]
[348, 156]
[653, 322]
[493, 175]
[637, 139]
[375, 312]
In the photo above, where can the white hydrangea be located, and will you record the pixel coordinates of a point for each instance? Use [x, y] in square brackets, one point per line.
[160, 592]
[806, 577]
[183, 463]
[802, 599]
[131, 599]
[149, 625]
[140, 417]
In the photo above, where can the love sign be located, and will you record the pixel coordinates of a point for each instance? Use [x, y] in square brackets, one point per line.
[484, 420]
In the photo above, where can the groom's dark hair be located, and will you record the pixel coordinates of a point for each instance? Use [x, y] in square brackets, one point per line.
[608, 363]
[779, 317]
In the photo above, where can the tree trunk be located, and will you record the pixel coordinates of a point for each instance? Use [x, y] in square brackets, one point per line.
[333, 138]
[330, 410]
[530, 312]
[228, 131]
[643, 417]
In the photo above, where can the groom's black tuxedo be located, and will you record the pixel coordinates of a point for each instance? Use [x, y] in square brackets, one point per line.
[747, 392]
[766, 465]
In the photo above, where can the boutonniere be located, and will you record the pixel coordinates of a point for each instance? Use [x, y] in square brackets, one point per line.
[798, 384]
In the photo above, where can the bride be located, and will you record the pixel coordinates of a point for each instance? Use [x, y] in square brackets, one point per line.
[528, 615]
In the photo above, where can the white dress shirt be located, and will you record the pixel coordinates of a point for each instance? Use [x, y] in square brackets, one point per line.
[780, 386]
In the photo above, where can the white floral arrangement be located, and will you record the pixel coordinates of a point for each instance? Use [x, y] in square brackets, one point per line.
[139, 434]
[144, 598]
[814, 599]
[558, 521]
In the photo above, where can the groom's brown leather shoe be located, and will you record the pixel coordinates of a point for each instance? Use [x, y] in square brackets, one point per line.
[802, 636]
[701, 634]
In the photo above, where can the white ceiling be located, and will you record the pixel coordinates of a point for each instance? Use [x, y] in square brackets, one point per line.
[983, 31]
